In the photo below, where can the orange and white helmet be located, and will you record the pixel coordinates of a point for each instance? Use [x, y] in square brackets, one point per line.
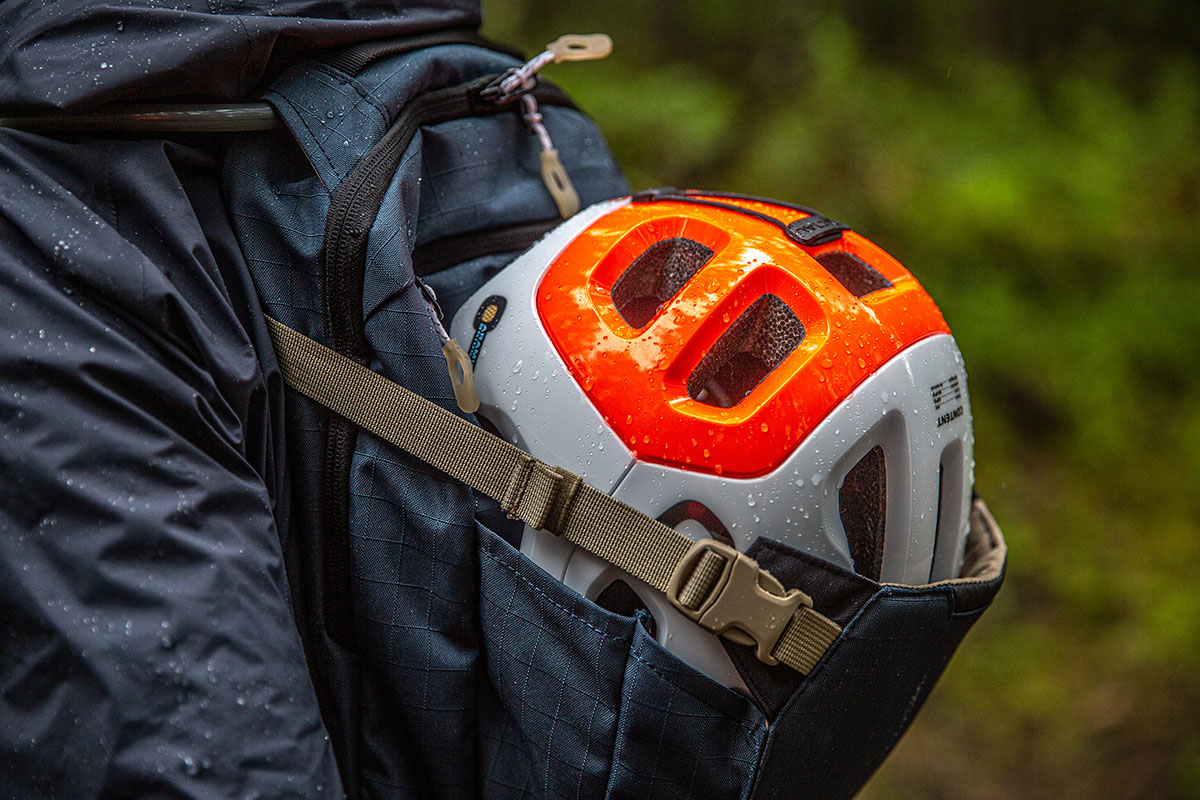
[736, 367]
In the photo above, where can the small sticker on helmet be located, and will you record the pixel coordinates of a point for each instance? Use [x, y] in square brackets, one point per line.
[486, 318]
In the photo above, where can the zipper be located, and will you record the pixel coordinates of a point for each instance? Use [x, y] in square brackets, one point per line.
[354, 209]
[356, 203]
[352, 212]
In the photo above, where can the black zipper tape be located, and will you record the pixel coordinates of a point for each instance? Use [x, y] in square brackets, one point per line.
[352, 212]
[356, 203]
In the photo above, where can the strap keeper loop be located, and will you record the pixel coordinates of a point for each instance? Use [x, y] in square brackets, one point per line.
[541, 495]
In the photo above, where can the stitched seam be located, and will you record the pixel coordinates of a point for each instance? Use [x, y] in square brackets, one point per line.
[513, 506]
[346, 80]
[300, 117]
[666, 677]
[552, 601]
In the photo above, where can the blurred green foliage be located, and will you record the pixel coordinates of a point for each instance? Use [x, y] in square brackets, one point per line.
[1037, 165]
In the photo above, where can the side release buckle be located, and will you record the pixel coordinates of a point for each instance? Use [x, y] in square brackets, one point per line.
[725, 591]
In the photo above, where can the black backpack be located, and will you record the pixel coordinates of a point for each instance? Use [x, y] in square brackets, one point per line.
[446, 663]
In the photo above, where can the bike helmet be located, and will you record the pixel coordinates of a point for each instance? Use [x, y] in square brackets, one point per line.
[735, 367]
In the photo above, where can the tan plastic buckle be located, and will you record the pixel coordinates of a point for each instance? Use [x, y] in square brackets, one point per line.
[745, 603]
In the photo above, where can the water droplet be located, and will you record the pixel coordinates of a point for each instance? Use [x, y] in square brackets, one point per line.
[517, 366]
[750, 500]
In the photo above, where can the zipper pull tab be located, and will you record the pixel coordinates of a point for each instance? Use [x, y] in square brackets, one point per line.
[458, 363]
[580, 47]
[521, 80]
[554, 175]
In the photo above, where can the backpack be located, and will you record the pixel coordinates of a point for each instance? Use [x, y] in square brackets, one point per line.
[445, 662]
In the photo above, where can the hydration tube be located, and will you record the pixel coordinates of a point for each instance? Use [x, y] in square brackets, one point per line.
[159, 118]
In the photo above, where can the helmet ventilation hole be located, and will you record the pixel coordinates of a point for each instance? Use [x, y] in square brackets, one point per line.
[859, 277]
[757, 342]
[862, 506]
[950, 521]
[655, 276]
[620, 598]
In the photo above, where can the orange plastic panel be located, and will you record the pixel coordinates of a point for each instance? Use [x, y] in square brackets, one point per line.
[637, 378]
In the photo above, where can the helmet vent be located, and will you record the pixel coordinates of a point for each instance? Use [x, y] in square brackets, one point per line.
[655, 276]
[862, 505]
[757, 342]
[859, 277]
[950, 522]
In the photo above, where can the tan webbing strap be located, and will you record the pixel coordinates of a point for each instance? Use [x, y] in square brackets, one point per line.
[805, 639]
[712, 583]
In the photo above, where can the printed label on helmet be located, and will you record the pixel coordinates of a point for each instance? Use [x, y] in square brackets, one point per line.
[486, 318]
[947, 393]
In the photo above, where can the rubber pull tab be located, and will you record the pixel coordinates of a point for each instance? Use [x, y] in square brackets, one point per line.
[462, 376]
[559, 184]
[579, 47]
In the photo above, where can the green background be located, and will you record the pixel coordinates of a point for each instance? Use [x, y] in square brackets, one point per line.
[1037, 165]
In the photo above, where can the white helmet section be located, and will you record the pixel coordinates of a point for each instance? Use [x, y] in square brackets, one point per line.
[915, 408]
[525, 389]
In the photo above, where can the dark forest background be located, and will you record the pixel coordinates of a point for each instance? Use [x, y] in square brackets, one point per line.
[1037, 165]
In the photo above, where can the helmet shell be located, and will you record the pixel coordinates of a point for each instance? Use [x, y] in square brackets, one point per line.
[743, 385]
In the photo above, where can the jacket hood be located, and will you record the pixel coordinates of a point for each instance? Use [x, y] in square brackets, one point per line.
[78, 54]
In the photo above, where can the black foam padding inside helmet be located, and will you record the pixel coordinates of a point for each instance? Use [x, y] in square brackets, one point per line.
[757, 342]
[862, 506]
[859, 277]
[656, 276]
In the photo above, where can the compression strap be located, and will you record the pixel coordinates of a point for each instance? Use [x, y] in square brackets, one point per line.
[712, 583]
